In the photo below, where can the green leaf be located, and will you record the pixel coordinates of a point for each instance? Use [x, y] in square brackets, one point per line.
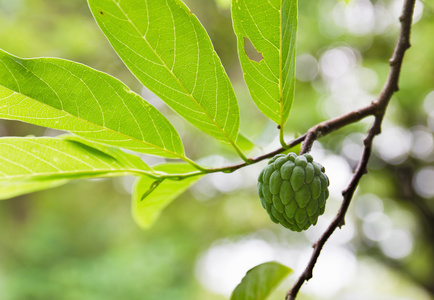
[245, 143]
[122, 157]
[269, 28]
[168, 50]
[151, 196]
[69, 96]
[8, 191]
[296, 149]
[260, 281]
[24, 160]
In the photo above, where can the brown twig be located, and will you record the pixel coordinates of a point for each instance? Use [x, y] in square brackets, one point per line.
[319, 130]
[378, 109]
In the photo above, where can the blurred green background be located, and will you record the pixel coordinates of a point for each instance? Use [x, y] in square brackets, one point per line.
[79, 241]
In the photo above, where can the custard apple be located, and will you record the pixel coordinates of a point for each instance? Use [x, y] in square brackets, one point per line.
[293, 190]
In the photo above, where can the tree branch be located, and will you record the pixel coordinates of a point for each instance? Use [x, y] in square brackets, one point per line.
[319, 130]
[379, 109]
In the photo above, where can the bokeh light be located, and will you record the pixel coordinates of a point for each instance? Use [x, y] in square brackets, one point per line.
[397, 244]
[377, 226]
[306, 67]
[422, 145]
[423, 182]
[367, 204]
[223, 266]
[335, 269]
[393, 145]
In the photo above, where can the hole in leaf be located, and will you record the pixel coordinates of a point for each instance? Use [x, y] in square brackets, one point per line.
[251, 51]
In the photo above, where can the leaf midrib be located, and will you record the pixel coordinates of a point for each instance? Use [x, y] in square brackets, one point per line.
[280, 67]
[34, 176]
[97, 125]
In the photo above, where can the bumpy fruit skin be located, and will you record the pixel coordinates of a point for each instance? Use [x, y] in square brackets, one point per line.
[293, 189]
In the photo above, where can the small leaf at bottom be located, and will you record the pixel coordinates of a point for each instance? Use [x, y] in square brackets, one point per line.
[152, 195]
[260, 281]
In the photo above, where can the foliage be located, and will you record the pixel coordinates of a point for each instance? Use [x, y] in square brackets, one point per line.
[178, 63]
[259, 281]
[175, 61]
[68, 96]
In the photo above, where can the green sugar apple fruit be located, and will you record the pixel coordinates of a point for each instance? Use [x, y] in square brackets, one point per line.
[293, 189]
